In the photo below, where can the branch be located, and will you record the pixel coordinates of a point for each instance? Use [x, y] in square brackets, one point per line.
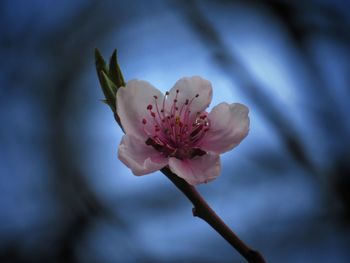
[202, 210]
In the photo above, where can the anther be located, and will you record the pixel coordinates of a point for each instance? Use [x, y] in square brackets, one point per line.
[149, 107]
[166, 93]
[155, 97]
[197, 95]
[144, 121]
[177, 91]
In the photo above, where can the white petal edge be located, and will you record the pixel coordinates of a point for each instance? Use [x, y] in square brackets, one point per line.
[201, 169]
[132, 102]
[140, 158]
[229, 125]
[188, 88]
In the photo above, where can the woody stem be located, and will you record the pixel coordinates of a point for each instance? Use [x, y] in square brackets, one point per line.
[202, 210]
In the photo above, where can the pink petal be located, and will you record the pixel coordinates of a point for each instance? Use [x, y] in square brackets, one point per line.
[229, 124]
[188, 88]
[132, 102]
[139, 157]
[201, 169]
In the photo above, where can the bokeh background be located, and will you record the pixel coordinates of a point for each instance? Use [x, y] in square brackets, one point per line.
[65, 197]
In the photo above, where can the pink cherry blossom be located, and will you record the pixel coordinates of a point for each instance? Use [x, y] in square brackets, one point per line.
[175, 130]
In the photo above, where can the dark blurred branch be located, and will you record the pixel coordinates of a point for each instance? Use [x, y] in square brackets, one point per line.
[81, 206]
[229, 63]
[295, 16]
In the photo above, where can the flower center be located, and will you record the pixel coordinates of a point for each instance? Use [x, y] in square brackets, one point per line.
[174, 130]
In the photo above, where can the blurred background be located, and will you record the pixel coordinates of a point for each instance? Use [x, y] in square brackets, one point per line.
[65, 196]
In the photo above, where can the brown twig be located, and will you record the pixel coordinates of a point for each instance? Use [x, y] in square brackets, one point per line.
[202, 210]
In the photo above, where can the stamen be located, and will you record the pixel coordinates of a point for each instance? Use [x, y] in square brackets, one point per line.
[163, 105]
[159, 115]
[196, 131]
[182, 107]
[173, 107]
[187, 114]
[175, 130]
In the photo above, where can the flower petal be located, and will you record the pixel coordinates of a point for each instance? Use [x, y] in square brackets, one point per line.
[139, 157]
[188, 88]
[229, 124]
[201, 169]
[132, 102]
